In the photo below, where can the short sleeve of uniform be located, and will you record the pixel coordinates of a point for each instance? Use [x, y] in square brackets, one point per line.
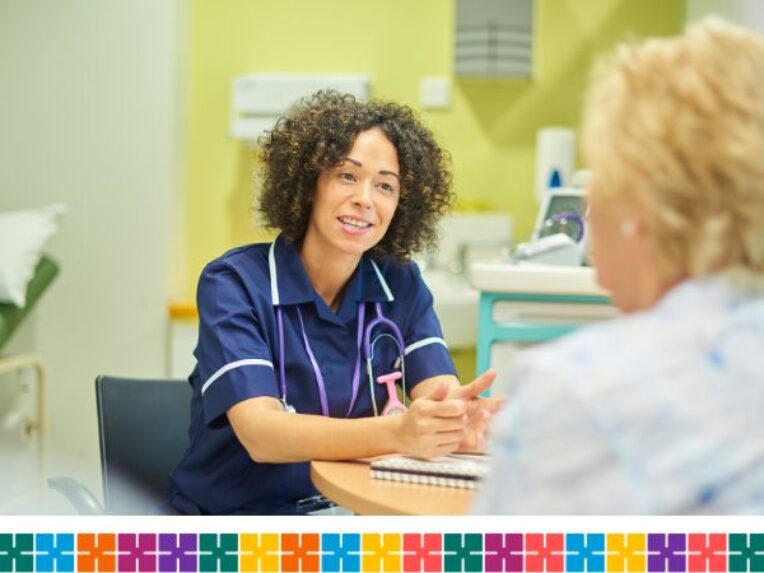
[426, 352]
[233, 357]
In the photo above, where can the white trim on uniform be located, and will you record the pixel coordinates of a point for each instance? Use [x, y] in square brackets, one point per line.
[232, 365]
[274, 276]
[383, 282]
[424, 342]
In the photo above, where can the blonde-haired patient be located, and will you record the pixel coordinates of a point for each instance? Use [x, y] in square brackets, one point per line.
[660, 410]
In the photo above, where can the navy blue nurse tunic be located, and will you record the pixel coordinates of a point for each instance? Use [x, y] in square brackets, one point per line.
[238, 358]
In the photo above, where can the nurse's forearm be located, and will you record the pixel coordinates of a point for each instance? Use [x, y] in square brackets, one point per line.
[271, 435]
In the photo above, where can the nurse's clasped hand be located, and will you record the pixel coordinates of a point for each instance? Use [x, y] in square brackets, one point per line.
[477, 409]
[434, 424]
[446, 417]
[480, 411]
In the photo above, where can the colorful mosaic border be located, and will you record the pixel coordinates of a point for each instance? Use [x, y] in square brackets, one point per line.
[308, 552]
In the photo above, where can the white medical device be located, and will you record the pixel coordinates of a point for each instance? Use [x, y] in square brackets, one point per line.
[559, 236]
[557, 249]
[562, 211]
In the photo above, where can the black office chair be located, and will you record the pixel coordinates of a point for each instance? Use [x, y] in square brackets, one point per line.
[143, 430]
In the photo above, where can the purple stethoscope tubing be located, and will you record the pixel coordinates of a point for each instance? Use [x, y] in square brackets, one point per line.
[316, 369]
[381, 320]
[363, 343]
[573, 216]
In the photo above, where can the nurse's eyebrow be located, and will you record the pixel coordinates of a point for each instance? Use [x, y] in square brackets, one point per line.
[381, 172]
[393, 173]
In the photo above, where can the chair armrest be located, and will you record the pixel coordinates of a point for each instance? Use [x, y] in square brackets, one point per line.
[78, 495]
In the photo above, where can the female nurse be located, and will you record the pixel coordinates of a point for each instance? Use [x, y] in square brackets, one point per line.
[301, 340]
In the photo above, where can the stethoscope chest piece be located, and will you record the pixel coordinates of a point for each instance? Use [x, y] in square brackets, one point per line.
[394, 407]
[288, 408]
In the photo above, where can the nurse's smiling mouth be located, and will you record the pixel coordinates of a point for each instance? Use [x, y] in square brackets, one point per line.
[354, 225]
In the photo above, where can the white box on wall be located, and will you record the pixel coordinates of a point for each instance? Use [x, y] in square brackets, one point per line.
[259, 99]
[435, 92]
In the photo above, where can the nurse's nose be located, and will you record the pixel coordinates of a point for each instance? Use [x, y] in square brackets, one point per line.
[362, 195]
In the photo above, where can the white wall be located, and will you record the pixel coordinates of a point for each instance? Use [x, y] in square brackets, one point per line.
[749, 13]
[89, 115]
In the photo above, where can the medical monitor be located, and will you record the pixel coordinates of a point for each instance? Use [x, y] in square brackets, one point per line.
[562, 211]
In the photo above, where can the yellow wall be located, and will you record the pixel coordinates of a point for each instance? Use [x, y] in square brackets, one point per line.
[489, 129]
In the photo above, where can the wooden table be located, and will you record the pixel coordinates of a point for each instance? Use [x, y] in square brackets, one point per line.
[350, 485]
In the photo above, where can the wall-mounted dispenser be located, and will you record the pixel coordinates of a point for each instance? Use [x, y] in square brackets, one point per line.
[494, 38]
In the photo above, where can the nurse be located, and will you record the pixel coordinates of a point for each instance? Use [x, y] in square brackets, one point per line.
[300, 339]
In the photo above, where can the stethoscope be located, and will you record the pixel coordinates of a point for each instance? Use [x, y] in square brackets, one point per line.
[565, 218]
[365, 342]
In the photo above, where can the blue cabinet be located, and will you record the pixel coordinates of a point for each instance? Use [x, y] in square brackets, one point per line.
[533, 303]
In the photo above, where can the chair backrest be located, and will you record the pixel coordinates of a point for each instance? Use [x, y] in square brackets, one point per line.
[143, 427]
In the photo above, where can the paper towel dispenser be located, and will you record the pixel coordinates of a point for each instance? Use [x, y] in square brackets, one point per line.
[259, 99]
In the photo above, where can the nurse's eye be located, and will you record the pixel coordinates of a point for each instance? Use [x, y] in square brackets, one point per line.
[346, 176]
[387, 188]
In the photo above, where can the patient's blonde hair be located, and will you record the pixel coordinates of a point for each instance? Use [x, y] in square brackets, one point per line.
[677, 126]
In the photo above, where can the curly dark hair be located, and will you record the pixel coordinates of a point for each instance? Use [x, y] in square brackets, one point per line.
[318, 133]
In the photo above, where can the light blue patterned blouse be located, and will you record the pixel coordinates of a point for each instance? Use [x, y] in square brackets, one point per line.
[658, 412]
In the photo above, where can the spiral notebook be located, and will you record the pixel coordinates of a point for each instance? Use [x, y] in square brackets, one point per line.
[456, 470]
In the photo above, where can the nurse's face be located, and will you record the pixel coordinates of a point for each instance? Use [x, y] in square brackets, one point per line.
[355, 202]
